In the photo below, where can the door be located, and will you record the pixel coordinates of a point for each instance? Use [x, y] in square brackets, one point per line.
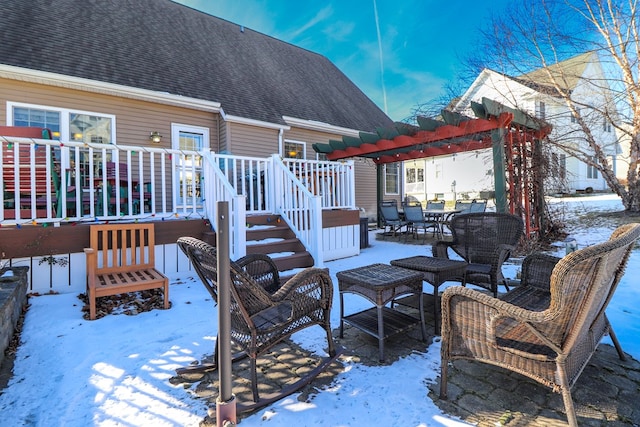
[188, 167]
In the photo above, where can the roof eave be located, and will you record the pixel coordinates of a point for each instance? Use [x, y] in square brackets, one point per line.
[320, 126]
[87, 85]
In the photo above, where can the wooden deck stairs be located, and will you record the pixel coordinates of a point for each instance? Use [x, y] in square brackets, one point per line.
[269, 234]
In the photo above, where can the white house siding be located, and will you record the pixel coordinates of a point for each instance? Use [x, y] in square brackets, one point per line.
[502, 89]
[463, 176]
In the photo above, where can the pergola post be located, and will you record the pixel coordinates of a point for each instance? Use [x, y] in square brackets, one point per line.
[499, 172]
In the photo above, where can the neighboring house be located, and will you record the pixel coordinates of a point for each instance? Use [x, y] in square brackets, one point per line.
[116, 71]
[531, 93]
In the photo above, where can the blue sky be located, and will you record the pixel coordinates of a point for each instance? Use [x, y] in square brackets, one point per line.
[421, 40]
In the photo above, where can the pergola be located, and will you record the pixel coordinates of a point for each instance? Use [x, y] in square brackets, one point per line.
[513, 135]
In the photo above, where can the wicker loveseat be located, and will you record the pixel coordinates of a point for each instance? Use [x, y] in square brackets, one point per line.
[263, 311]
[548, 327]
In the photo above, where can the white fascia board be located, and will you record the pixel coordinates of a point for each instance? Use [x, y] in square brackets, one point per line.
[320, 126]
[252, 122]
[87, 85]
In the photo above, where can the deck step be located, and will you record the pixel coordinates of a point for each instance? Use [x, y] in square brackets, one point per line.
[269, 234]
[296, 260]
[259, 232]
[277, 246]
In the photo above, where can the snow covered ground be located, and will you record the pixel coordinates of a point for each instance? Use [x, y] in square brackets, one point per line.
[115, 371]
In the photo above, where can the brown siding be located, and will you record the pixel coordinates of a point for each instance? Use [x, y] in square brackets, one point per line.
[366, 187]
[310, 137]
[135, 119]
[223, 137]
[365, 170]
[246, 140]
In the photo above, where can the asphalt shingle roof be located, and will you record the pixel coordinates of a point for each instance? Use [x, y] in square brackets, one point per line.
[163, 46]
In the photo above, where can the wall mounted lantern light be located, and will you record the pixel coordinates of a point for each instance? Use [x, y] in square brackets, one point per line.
[155, 137]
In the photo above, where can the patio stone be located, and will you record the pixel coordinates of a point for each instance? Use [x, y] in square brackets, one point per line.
[481, 394]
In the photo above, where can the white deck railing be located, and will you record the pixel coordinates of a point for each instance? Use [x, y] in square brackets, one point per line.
[74, 182]
[140, 182]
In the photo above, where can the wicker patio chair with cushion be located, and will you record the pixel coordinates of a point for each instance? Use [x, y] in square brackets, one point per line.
[390, 217]
[549, 327]
[260, 319]
[485, 240]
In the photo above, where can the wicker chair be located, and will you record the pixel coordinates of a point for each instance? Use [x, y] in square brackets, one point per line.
[485, 240]
[264, 312]
[549, 327]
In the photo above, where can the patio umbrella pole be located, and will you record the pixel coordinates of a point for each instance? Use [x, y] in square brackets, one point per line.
[226, 402]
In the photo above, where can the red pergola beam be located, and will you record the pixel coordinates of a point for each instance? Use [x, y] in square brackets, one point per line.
[421, 138]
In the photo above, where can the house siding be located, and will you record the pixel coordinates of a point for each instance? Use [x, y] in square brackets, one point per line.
[365, 170]
[247, 140]
[135, 119]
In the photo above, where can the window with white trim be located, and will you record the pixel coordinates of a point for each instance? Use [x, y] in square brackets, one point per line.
[391, 178]
[294, 149]
[65, 124]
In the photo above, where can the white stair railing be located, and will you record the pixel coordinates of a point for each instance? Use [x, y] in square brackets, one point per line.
[299, 208]
[334, 182]
[218, 188]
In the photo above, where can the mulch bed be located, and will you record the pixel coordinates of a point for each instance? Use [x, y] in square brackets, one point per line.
[131, 303]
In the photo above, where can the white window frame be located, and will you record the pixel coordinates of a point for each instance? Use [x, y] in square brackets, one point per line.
[398, 177]
[293, 141]
[176, 129]
[65, 113]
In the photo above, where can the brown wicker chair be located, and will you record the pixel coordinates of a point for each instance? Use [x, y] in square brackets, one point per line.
[263, 311]
[485, 240]
[549, 327]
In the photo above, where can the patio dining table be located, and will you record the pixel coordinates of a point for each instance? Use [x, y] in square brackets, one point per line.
[439, 216]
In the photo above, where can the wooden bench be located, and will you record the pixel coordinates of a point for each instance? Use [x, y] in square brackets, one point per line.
[121, 259]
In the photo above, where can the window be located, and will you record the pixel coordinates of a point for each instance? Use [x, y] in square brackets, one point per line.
[391, 181]
[66, 125]
[540, 110]
[294, 150]
[606, 126]
[321, 157]
[592, 172]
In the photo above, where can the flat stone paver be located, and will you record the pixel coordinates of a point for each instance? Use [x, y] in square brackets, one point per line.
[607, 393]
